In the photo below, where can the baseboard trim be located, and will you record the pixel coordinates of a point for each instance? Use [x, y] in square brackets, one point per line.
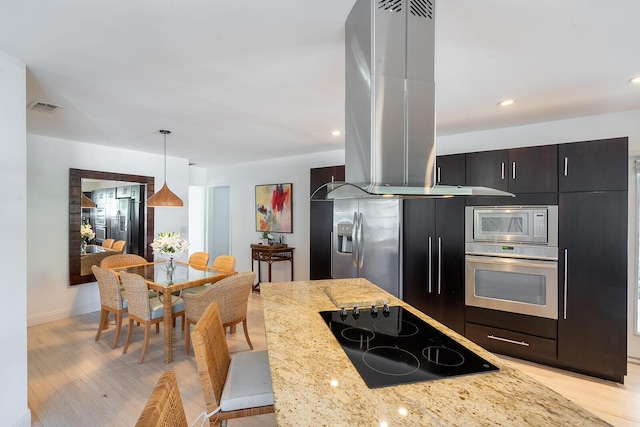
[52, 316]
[23, 421]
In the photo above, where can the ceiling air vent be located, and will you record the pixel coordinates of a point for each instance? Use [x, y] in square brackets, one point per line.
[421, 8]
[44, 107]
[390, 5]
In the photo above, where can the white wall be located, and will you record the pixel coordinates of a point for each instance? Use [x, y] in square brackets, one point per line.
[242, 180]
[581, 129]
[13, 251]
[49, 296]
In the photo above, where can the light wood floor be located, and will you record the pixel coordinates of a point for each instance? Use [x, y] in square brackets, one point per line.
[75, 381]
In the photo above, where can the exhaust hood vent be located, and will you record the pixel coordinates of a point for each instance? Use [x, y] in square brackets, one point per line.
[43, 107]
[391, 5]
[421, 8]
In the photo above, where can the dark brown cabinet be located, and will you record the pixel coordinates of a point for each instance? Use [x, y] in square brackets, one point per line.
[450, 169]
[321, 223]
[488, 169]
[599, 165]
[592, 324]
[433, 258]
[517, 170]
[533, 169]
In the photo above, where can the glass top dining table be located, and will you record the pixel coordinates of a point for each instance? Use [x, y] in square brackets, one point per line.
[165, 282]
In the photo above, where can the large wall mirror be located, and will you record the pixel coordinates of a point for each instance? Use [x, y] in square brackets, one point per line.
[121, 214]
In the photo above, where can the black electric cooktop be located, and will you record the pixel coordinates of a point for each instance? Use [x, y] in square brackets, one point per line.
[391, 346]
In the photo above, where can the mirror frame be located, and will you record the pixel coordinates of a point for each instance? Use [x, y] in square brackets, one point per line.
[75, 216]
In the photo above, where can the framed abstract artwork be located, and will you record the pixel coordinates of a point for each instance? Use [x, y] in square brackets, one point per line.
[274, 211]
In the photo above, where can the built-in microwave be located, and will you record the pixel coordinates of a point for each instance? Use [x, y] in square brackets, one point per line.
[512, 224]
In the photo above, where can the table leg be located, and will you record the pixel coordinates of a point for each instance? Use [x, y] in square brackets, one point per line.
[168, 328]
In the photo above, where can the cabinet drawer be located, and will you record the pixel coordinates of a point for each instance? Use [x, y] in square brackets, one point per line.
[511, 343]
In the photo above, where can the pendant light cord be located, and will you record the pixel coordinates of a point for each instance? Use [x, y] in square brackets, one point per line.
[165, 132]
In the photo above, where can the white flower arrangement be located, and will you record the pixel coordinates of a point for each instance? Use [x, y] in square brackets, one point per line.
[169, 244]
[87, 233]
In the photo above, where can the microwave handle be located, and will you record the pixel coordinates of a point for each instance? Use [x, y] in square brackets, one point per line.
[566, 277]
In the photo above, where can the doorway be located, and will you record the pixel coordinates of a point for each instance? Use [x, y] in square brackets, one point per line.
[218, 221]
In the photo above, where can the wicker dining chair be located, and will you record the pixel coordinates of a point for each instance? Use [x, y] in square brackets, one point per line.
[122, 260]
[164, 407]
[112, 300]
[199, 258]
[108, 243]
[119, 245]
[232, 296]
[238, 386]
[145, 310]
[224, 263]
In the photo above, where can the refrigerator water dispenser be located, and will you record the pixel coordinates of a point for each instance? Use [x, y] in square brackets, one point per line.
[345, 240]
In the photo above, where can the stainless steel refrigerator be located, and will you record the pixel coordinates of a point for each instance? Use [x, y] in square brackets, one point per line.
[366, 241]
[127, 223]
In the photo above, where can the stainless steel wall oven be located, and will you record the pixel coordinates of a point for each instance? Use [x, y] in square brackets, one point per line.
[511, 259]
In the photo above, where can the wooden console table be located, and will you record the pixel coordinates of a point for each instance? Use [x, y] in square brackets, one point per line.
[270, 254]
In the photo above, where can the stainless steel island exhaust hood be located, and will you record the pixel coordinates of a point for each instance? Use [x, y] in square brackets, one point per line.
[390, 103]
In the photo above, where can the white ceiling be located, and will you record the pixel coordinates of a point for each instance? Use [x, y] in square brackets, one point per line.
[240, 81]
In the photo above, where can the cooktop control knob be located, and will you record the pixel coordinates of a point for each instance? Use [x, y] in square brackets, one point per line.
[343, 314]
[356, 312]
[374, 311]
[386, 310]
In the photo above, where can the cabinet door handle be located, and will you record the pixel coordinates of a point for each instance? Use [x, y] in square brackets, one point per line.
[439, 265]
[566, 166]
[430, 266]
[331, 260]
[522, 343]
[513, 173]
[333, 178]
[438, 177]
[502, 170]
[566, 277]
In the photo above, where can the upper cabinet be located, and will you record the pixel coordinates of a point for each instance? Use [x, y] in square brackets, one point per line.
[450, 169]
[600, 165]
[320, 176]
[488, 169]
[533, 169]
[517, 170]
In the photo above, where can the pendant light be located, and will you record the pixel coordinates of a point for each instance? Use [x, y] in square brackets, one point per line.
[164, 198]
[87, 202]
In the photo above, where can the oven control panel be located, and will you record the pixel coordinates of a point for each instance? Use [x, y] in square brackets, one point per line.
[511, 250]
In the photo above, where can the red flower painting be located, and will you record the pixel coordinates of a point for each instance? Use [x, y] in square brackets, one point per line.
[273, 208]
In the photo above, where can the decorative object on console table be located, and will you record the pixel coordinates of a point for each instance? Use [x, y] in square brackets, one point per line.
[274, 212]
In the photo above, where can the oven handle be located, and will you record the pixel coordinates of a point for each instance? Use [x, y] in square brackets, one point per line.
[513, 261]
[522, 343]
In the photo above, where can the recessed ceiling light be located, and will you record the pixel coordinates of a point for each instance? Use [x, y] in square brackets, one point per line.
[506, 102]
[336, 133]
[635, 80]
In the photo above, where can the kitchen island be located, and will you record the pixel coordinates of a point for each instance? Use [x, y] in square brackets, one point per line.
[315, 383]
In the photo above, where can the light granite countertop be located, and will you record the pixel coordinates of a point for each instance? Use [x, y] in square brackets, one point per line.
[315, 383]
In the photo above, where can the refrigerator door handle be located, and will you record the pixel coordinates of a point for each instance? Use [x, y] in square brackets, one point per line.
[360, 243]
[354, 240]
